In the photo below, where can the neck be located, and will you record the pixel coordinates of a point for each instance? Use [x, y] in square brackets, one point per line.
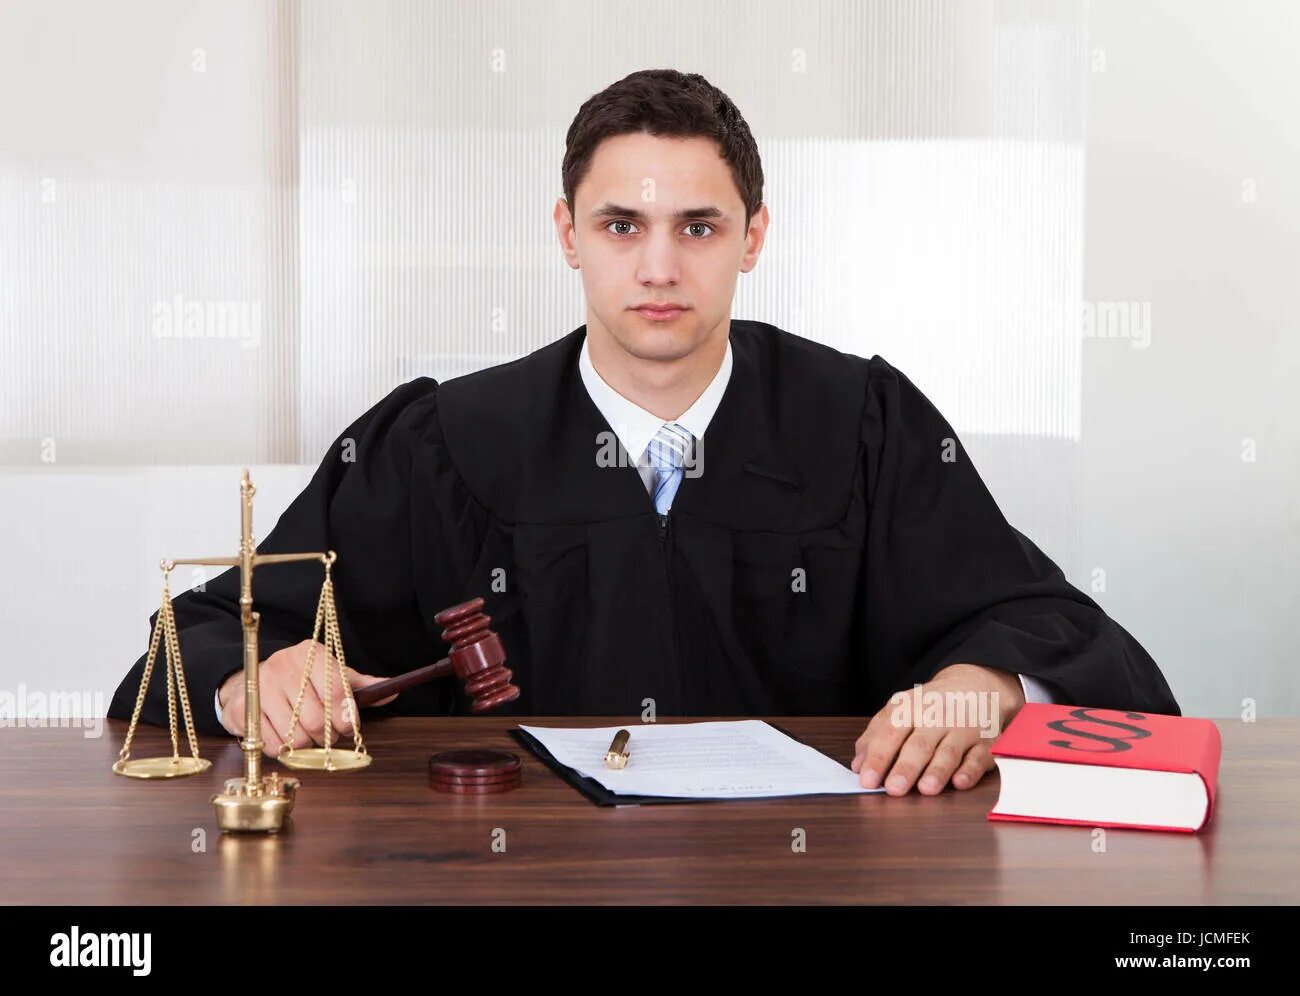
[666, 388]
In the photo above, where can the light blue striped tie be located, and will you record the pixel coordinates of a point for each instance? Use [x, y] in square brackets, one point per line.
[668, 452]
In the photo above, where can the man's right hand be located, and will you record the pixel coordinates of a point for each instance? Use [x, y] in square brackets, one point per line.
[279, 677]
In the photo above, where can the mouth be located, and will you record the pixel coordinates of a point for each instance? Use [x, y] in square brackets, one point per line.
[660, 313]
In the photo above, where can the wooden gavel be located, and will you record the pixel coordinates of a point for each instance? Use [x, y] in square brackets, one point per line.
[477, 658]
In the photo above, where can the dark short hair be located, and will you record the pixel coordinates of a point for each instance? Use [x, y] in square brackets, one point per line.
[667, 103]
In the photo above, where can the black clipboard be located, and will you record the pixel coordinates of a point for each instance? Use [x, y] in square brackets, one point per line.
[602, 796]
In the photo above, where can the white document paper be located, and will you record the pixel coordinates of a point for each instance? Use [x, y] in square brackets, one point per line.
[735, 759]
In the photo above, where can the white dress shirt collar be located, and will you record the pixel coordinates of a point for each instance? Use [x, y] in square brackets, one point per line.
[635, 426]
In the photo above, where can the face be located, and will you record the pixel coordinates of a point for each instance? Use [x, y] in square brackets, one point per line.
[659, 221]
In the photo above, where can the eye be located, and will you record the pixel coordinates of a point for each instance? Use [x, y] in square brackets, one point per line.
[693, 228]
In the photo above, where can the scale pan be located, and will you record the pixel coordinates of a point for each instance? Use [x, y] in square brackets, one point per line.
[322, 759]
[162, 767]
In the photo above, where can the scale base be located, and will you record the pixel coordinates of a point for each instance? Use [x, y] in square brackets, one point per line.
[263, 811]
[161, 767]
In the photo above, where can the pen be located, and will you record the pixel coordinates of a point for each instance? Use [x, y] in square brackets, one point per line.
[616, 756]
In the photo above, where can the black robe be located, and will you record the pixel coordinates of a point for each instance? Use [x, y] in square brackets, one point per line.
[832, 549]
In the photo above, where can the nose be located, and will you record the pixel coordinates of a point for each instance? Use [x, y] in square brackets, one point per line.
[658, 264]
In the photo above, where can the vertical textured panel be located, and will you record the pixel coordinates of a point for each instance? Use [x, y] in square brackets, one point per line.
[148, 232]
[367, 191]
[924, 165]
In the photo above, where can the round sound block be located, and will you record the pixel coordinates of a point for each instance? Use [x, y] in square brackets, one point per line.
[489, 789]
[508, 776]
[474, 771]
[494, 784]
[475, 761]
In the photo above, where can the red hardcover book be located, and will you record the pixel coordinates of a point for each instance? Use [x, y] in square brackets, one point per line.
[1107, 768]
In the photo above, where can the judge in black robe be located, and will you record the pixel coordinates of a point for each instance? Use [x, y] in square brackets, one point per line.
[834, 546]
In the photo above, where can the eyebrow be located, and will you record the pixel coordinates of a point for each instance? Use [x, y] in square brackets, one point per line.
[618, 211]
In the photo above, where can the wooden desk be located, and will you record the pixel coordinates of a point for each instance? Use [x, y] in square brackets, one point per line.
[74, 833]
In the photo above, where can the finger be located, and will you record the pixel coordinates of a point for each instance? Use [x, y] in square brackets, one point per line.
[324, 668]
[280, 676]
[978, 762]
[947, 756]
[232, 714]
[302, 737]
[339, 705]
[883, 740]
[271, 740]
[914, 755]
[311, 716]
[338, 696]
[362, 680]
[277, 718]
[860, 745]
[880, 725]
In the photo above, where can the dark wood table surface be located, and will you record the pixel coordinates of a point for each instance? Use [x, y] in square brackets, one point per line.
[73, 832]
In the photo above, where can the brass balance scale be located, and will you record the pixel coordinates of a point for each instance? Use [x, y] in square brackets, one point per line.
[254, 802]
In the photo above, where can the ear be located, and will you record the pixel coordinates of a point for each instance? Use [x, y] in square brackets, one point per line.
[566, 233]
[754, 238]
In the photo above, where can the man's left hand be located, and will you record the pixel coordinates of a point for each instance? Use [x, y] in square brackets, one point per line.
[905, 746]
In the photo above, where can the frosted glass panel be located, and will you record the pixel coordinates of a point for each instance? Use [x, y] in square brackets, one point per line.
[226, 229]
[148, 232]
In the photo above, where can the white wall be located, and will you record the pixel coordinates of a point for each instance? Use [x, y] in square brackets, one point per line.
[82, 548]
[1193, 208]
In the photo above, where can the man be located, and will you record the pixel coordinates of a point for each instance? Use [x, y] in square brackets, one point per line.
[667, 511]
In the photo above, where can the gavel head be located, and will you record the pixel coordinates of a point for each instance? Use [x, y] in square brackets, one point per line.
[477, 655]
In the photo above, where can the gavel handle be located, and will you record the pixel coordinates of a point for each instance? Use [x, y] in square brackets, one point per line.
[400, 683]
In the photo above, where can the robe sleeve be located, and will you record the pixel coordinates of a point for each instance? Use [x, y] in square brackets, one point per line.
[948, 580]
[387, 499]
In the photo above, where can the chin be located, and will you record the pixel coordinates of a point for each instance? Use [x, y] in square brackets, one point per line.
[659, 346]
[668, 341]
